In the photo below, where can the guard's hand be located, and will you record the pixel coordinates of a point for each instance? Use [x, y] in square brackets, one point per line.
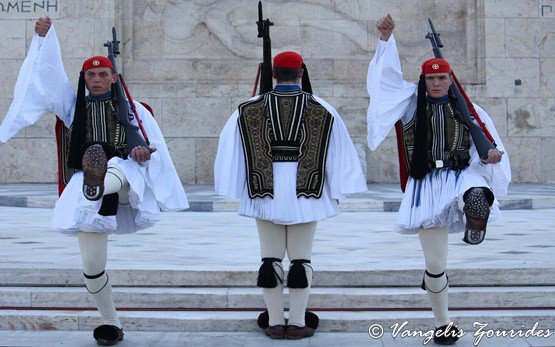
[42, 25]
[385, 26]
[494, 156]
[141, 154]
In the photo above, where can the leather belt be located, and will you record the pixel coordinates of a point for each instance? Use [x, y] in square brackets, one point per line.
[449, 163]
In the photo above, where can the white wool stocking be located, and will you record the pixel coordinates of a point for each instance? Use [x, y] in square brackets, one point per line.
[94, 252]
[300, 238]
[434, 244]
[274, 240]
[272, 245]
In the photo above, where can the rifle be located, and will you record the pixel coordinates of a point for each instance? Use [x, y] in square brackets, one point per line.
[480, 135]
[265, 68]
[133, 138]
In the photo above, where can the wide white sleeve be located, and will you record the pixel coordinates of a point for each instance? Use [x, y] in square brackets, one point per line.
[160, 173]
[42, 86]
[498, 175]
[391, 97]
[229, 167]
[343, 169]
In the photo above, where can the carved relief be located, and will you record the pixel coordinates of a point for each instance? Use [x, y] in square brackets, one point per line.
[319, 29]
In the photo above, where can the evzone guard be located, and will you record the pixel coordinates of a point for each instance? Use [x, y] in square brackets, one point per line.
[451, 187]
[287, 155]
[120, 182]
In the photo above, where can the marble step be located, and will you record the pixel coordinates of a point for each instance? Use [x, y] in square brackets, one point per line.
[237, 278]
[251, 298]
[240, 321]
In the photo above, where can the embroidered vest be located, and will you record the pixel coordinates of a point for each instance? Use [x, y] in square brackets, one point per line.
[285, 126]
[448, 138]
[103, 124]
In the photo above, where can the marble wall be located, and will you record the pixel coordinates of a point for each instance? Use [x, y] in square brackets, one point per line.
[194, 61]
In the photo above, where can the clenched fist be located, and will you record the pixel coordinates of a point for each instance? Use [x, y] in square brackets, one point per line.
[42, 25]
[385, 26]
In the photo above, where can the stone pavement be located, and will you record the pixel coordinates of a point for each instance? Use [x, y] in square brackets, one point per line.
[202, 198]
[222, 241]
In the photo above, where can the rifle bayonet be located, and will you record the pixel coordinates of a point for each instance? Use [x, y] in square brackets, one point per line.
[433, 36]
[115, 42]
[260, 22]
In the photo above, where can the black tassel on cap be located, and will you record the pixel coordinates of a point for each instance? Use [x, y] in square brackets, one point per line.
[305, 81]
[419, 163]
[78, 127]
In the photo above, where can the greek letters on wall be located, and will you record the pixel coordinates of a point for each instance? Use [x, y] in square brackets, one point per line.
[28, 6]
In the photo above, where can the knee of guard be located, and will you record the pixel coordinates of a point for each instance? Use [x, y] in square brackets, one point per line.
[479, 191]
[268, 277]
[115, 169]
[95, 277]
[296, 278]
[114, 180]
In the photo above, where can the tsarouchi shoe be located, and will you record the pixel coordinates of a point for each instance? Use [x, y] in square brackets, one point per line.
[294, 332]
[446, 335]
[275, 331]
[107, 335]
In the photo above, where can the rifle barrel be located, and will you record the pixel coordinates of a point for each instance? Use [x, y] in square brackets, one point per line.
[435, 34]
[115, 42]
[437, 52]
[260, 22]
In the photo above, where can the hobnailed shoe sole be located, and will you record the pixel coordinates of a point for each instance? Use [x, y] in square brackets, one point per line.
[95, 165]
[476, 210]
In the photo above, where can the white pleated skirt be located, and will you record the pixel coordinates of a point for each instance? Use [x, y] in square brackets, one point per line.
[433, 201]
[74, 213]
[285, 207]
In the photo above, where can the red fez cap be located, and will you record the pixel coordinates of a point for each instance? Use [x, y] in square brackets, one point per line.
[435, 65]
[97, 61]
[288, 60]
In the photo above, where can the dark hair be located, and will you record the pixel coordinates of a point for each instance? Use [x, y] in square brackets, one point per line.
[286, 75]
